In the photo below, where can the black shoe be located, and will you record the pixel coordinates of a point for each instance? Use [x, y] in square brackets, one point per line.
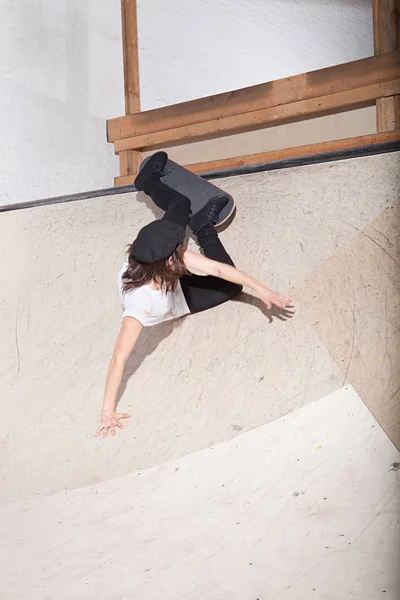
[208, 215]
[153, 168]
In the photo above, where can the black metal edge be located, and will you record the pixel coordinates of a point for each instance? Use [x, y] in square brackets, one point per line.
[69, 198]
[285, 163]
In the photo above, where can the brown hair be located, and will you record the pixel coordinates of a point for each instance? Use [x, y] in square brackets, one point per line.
[164, 272]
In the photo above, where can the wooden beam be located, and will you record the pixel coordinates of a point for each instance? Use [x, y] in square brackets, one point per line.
[386, 20]
[388, 113]
[296, 152]
[274, 155]
[380, 23]
[130, 56]
[121, 181]
[274, 93]
[129, 161]
[261, 118]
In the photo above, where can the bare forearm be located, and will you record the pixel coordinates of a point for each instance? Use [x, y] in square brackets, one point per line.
[233, 275]
[197, 262]
[127, 338]
[268, 296]
[114, 377]
[200, 263]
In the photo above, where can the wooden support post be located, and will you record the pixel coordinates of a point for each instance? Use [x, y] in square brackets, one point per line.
[386, 16]
[129, 160]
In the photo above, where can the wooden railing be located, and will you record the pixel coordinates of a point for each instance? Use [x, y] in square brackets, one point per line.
[342, 87]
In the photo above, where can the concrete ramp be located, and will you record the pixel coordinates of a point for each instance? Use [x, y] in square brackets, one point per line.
[260, 460]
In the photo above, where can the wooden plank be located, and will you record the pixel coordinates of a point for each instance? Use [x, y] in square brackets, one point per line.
[388, 113]
[123, 180]
[130, 160]
[296, 152]
[386, 19]
[380, 13]
[290, 89]
[130, 56]
[274, 155]
[261, 118]
[395, 24]
[124, 162]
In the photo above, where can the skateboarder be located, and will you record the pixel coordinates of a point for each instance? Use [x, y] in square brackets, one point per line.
[156, 283]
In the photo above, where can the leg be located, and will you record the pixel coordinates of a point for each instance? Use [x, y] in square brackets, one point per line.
[212, 245]
[175, 204]
[202, 293]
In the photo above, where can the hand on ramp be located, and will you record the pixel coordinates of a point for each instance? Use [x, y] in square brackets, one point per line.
[269, 297]
[109, 421]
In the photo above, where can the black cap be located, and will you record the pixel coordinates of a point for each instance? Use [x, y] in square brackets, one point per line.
[157, 241]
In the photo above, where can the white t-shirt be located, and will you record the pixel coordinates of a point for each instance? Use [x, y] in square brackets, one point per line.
[151, 307]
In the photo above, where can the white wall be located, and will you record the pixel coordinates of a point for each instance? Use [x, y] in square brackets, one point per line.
[61, 77]
[190, 49]
[61, 73]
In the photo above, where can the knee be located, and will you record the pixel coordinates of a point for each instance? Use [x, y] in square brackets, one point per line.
[181, 201]
[185, 203]
[231, 291]
[239, 289]
[235, 290]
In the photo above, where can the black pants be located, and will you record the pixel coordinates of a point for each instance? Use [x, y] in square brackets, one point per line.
[201, 292]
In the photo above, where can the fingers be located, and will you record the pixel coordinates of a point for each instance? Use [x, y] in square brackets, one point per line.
[123, 416]
[110, 427]
[283, 301]
[279, 300]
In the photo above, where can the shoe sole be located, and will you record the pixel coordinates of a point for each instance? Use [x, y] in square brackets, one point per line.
[226, 213]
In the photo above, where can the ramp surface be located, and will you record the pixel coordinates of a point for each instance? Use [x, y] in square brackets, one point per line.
[252, 467]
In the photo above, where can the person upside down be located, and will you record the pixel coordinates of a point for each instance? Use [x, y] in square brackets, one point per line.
[156, 283]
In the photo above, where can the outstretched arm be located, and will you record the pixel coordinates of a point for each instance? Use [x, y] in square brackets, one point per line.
[127, 338]
[200, 263]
